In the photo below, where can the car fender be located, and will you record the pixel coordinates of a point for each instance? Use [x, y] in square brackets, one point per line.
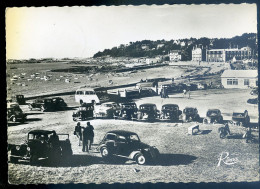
[134, 153]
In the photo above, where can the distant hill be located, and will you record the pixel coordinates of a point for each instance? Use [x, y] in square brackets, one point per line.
[148, 48]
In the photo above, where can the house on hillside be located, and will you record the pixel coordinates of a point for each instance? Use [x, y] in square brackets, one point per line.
[239, 78]
[160, 45]
[145, 47]
[175, 55]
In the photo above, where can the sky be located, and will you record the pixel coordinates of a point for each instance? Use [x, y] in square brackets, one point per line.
[69, 32]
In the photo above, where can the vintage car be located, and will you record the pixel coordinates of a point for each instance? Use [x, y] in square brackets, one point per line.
[19, 99]
[252, 101]
[126, 144]
[48, 104]
[170, 112]
[191, 87]
[213, 116]
[240, 118]
[15, 114]
[106, 110]
[147, 111]
[85, 112]
[59, 103]
[190, 114]
[42, 144]
[127, 110]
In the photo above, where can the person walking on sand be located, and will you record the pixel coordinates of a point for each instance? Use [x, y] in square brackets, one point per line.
[85, 140]
[78, 132]
[90, 135]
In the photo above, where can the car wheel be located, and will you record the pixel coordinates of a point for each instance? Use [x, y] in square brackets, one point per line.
[14, 119]
[104, 152]
[140, 159]
[13, 159]
[222, 135]
[33, 159]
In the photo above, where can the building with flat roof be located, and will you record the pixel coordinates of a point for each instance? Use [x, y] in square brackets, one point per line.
[198, 54]
[239, 78]
[225, 55]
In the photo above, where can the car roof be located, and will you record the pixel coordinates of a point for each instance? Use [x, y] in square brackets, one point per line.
[170, 105]
[109, 103]
[85, 89]
[148, 104]
[41, 132]
[213, 110]
[128, 103]
[122, 132]
[190, 108]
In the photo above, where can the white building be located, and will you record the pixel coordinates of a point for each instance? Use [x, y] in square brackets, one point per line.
[175, 55]
[198, 54]
[239, 78]
[160, 45]
[145, 47]
[153, 60]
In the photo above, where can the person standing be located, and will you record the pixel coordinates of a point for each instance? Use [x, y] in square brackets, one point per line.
[78, 132]
[85, 140]
[90, 135]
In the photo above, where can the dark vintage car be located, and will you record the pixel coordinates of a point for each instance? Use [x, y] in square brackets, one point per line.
[42, 144]
[48, 104]
[147, 111]
[15, 113]
[240, 118]
[213, 116]
[127, 145]
[20, 99]
[85, 112]
[191, 87]
[252, 101]
[127, 110]
[170, 112]
[190, 114]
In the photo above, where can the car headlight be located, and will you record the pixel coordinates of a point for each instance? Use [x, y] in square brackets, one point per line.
[28, 149]
[17, 147]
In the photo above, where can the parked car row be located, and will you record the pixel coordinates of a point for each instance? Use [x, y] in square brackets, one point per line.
[149, 112]
[48, 104]
[47, 144]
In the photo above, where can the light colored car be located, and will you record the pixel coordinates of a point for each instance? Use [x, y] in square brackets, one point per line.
[106, 110]
[86, 95]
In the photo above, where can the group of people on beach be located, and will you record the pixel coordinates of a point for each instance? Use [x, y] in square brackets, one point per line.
[85, 136]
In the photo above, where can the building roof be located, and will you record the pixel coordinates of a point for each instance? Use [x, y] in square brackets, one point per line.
[240, 73]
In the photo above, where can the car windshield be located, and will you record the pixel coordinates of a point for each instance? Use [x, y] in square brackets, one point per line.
[171, 108]
[108, 105]
[148, 108]
[212, 112]
[189, 110]
[133, 138]
[235, 114]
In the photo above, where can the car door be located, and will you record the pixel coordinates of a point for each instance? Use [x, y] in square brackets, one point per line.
[122, 146]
